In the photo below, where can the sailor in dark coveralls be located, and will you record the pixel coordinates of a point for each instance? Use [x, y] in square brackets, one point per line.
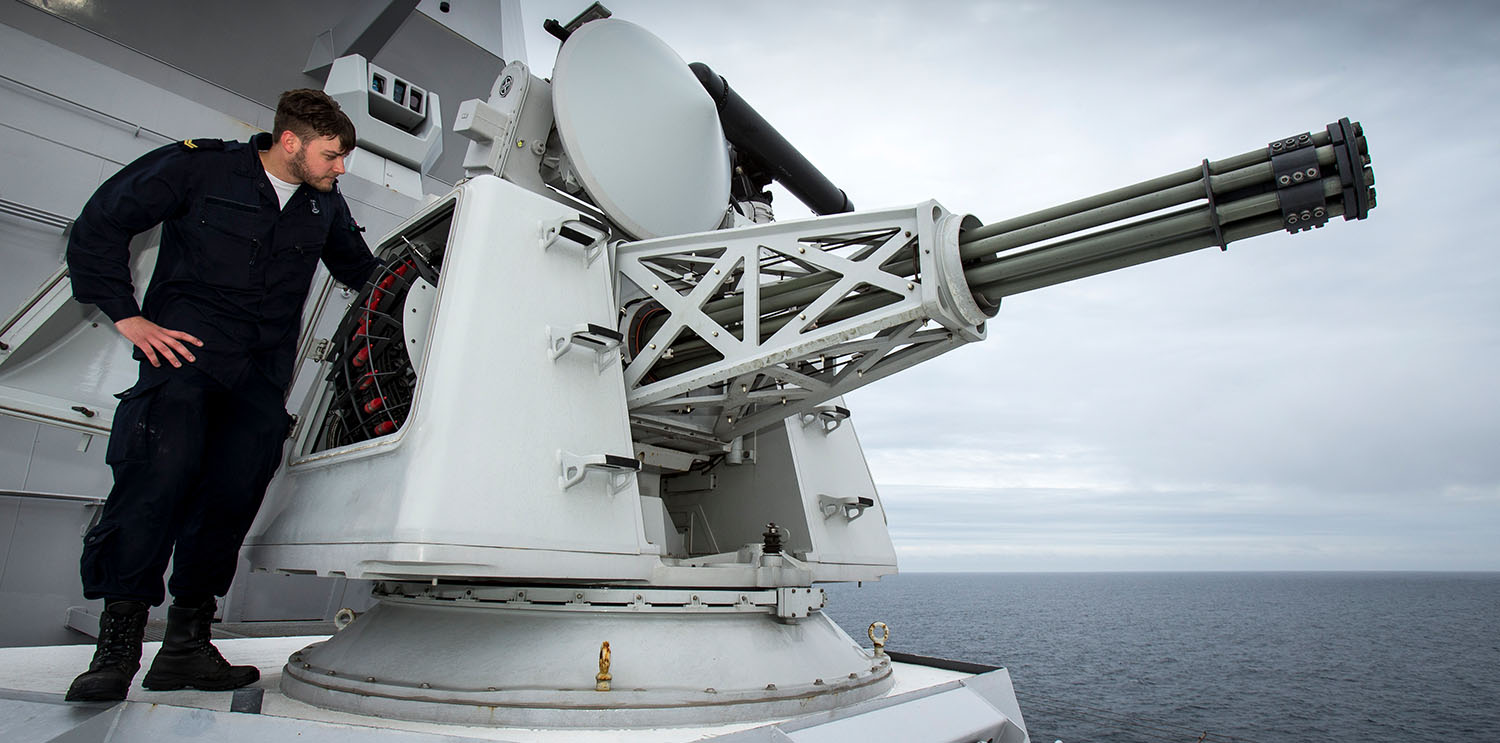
[197, 439]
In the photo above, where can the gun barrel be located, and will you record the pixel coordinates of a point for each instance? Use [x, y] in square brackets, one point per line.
[1297, 183]
[1333, 179]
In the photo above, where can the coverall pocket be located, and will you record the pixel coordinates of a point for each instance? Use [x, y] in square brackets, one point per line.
[130, 436]
[226, 250]
[290, 271]
[91, 566]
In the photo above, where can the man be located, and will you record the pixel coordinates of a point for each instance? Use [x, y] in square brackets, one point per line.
[197, 439]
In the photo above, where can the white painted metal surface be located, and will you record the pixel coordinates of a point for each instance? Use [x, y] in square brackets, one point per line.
[789, 371]
[508, 132]
[469, 486]
[640, 130]
[32, 681]
[795, 467]
[408, 132]
[524, 662]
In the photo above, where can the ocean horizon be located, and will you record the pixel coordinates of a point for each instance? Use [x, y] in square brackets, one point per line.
[1213, 655]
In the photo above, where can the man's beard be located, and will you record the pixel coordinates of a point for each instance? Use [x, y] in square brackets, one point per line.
[299, 170]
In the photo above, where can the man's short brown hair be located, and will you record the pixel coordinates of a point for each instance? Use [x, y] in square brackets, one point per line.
[311, 114]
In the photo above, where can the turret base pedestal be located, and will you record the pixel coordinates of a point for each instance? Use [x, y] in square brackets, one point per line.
[535, 660]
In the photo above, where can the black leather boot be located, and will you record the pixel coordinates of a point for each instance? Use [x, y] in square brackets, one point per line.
[117, 655]
[187, 660]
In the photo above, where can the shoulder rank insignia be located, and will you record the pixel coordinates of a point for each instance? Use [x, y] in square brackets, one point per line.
[201, 144]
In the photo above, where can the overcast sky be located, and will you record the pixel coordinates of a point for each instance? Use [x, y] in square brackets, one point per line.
[1318, 401]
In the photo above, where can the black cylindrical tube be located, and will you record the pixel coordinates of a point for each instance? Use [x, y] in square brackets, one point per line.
[751, 134]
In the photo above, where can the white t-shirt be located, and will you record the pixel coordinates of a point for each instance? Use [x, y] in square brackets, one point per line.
[284, 190]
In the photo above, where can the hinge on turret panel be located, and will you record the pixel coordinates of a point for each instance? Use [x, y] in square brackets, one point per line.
[1299, 188]
[318, 350]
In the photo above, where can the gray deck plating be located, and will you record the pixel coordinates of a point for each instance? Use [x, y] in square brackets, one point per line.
[32, 682]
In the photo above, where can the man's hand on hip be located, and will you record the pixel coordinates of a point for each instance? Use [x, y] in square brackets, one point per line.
[154, 339]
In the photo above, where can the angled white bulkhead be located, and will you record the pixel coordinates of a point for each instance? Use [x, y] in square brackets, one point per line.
[470, 485]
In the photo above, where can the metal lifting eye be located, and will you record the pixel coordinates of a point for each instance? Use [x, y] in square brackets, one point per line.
[879, 642]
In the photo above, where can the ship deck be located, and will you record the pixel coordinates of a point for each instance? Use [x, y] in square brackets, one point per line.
[34, 679]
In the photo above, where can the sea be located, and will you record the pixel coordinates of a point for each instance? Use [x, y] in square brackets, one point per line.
[1333, 657]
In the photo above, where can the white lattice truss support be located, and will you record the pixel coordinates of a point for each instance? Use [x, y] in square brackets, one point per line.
[714, 380]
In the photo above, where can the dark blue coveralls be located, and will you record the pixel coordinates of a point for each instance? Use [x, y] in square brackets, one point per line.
[193, 449]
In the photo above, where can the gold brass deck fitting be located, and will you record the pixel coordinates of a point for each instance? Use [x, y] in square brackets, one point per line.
[603, 678]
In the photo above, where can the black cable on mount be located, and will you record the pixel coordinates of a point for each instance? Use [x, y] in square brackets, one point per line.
[371, 371]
